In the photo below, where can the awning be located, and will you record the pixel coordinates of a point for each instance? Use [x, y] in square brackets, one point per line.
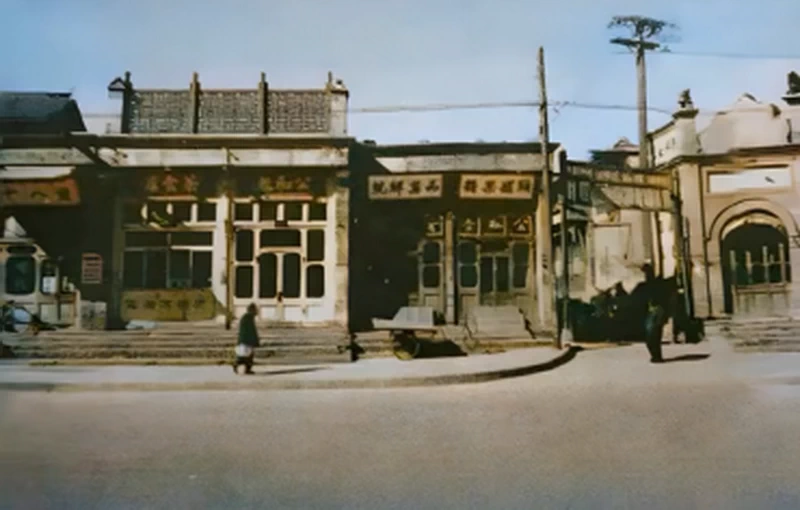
[34, 172]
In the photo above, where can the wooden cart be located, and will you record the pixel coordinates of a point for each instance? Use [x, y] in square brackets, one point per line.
[410, 325]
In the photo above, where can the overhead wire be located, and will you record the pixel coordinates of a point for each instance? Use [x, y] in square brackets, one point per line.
[557, 106]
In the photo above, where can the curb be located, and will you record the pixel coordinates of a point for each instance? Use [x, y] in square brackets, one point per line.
[565, 356]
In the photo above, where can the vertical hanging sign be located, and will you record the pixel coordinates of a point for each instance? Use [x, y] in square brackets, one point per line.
[91, 269]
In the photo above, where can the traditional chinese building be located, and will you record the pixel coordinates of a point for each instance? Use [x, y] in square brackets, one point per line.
[40, 204]
[209, 200]
[451, 226]
[738, 178]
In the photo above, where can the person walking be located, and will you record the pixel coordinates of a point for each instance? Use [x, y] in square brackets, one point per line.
[248, 341]
[650, 295]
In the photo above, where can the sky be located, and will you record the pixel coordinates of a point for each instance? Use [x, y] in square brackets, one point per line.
[410, 52]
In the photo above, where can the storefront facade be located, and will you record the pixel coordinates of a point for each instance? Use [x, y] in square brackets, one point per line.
[209, 200]
[284, 245]
[449, 226]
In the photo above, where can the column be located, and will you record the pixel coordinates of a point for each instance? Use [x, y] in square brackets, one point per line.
[545, 297]
[794, 279]
[342, 218]
[114, 310]
[448, 266]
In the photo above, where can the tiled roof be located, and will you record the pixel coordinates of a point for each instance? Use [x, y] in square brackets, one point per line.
[39, 112]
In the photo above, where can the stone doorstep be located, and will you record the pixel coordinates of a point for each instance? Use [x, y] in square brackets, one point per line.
[319, 361]
[279, 356]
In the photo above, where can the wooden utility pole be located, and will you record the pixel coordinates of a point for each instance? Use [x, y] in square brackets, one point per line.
[545, 232]
[229, 241]
[645, 36]
[641, 105]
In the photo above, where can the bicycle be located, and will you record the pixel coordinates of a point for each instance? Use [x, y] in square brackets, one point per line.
[15, 318]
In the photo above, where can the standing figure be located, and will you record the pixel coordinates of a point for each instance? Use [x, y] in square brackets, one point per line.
[652, 294]
[248, 341]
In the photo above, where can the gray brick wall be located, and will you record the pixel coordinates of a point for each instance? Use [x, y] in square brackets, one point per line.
[231, 111]
[299, 111]
[160, 111]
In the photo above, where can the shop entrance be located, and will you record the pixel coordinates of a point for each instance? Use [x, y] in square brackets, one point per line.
[487, 273]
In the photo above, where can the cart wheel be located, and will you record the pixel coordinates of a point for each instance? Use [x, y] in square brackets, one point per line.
[21, 321]
[405, 346]
[470, 342]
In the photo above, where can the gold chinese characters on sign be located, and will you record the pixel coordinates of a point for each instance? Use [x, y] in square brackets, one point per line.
[283, 185]
[168, 305]
[522, 226]
[434, 226]
[468, 227]
[496, 186]
[493, 226]
[169, 183]
[404, 187]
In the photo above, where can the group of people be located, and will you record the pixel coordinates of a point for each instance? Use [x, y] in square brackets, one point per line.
[642, 314]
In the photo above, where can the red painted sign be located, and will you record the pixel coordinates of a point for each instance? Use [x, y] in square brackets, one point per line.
[62, 191]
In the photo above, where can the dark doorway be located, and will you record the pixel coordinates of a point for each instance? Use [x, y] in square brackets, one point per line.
[755, 255]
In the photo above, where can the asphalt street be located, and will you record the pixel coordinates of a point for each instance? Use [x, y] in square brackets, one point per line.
[608, 430]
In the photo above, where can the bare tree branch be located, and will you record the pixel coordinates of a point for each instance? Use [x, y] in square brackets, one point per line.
[644, 28]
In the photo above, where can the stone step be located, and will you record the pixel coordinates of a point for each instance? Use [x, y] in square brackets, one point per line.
[166, 352]
[188, 342]
[321, 360]
[293, 333]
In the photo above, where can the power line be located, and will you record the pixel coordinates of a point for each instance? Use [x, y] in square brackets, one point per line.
[495, 105]
[443, 106]
[738, 56]
[556, 106]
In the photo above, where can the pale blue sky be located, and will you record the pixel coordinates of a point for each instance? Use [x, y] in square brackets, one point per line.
[391, 52]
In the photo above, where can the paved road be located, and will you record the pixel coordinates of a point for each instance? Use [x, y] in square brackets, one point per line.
[606, 431]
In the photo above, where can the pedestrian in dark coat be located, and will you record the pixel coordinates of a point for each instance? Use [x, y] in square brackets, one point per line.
[652, 294]
[248, 340]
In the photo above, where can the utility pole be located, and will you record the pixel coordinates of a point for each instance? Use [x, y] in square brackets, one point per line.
[545, 232]
[229, 241]
[646, 35]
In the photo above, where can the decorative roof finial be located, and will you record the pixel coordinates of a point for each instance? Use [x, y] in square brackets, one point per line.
[685, 100]
[794, 84]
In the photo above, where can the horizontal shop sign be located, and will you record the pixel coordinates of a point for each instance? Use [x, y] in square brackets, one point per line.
[496, 186]
[168, 305]
[645, 199]
[404, 187]
[124, 157]
[508, 162]
[623, 177]
[62, 191]
[750, 179]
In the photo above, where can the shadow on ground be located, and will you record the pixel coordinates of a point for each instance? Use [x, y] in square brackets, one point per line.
[287, 371]
[439, 349]
[687, 357]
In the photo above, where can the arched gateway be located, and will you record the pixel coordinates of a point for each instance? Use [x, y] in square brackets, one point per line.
[756, 269]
